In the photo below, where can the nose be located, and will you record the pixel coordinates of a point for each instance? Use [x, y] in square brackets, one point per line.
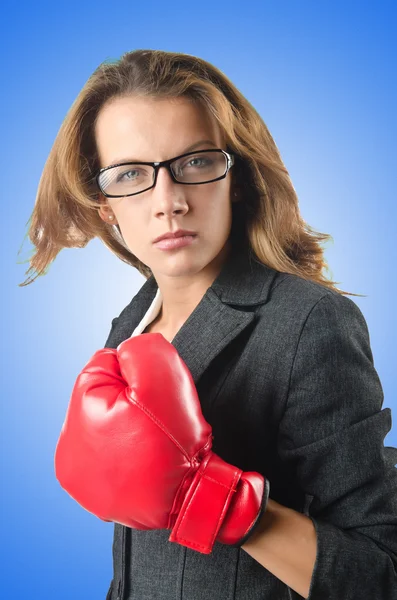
[168, 197]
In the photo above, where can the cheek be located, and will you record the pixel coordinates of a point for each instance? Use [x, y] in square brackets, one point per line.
[129, 216]
[217, 217]
[216, 201]
[221, 207]
[130, 224]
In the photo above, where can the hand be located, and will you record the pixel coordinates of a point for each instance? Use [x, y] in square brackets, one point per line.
[135, 449]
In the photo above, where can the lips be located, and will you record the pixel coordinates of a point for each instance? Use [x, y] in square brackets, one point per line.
[175, 234]
[175, 242]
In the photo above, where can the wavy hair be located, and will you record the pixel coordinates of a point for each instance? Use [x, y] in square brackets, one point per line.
[266, 218]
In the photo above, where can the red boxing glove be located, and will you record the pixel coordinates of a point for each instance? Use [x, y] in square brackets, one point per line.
[135, 449]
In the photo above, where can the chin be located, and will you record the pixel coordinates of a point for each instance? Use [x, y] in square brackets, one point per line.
[191, 263]
[175, 266]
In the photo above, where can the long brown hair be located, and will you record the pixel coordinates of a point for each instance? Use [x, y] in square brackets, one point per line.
[267, 217]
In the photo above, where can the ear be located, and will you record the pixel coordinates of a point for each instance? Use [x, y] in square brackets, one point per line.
[236, 194]
[236, 184]
[105, 212]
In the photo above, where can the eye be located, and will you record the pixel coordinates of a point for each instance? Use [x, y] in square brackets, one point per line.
[123, 176]
[198, 160]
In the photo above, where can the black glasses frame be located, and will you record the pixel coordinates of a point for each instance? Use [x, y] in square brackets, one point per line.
[166, 163]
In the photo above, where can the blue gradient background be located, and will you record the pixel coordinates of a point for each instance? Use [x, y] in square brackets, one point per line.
[322, 76]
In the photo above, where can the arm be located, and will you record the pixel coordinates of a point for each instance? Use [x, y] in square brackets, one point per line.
[332, 433]
[285, 544]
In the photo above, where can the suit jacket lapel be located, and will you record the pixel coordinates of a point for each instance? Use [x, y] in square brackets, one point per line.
[222, 314]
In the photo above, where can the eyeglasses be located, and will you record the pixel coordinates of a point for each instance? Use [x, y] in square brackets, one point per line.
[192, 168]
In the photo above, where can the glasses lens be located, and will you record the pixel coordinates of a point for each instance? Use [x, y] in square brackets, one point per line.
[126, 179]
[199, 167]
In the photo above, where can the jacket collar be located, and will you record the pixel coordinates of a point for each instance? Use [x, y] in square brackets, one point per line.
[242, 282]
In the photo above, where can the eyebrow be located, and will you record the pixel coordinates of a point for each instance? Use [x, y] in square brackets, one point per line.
[115, 161]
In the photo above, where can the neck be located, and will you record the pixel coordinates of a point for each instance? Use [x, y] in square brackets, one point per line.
[182, 295]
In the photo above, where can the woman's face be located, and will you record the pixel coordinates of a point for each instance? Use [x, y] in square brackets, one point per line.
[145, 129]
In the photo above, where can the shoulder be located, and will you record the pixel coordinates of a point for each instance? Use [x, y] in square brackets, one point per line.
[121, 326]
[294, 295]
[322, 323]
[298, 311]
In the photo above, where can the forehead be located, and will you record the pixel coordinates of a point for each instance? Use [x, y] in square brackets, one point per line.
[152, 129]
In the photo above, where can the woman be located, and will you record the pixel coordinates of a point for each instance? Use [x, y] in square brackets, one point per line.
[238, 448]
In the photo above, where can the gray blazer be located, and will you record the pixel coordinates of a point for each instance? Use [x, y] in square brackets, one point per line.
[285, 376]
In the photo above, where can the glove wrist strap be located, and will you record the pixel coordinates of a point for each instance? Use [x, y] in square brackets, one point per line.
[205, 504]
